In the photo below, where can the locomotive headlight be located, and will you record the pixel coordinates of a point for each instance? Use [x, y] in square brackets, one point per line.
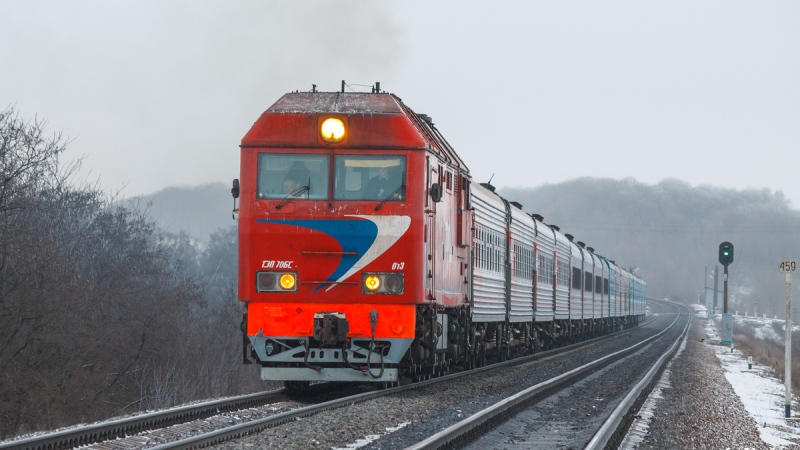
[276, 281]
[265, 281]
[394, 283]
[332, 130]
[382, 283]
[288, 281]
[372, 283]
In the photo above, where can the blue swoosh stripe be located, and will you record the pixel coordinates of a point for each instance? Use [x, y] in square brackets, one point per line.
[353, 236]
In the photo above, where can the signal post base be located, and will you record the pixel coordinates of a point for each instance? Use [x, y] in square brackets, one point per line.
[726, 332]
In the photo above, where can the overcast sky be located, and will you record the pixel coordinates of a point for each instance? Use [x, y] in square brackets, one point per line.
[158, 94]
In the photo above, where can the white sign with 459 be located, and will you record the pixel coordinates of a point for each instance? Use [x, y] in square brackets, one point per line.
[787, 266]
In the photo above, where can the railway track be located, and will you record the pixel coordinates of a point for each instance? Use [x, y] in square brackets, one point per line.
[219, 421]
[500, 425]
[118, 428]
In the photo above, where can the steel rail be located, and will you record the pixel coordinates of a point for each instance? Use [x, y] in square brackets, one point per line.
[485, 417]
[243, 429]
[614, 428]
[112, 429]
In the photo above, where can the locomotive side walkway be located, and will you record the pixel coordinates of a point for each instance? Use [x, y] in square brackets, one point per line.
[698, 407]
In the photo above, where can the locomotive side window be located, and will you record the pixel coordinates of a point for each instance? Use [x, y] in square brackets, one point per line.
[598, 284]
[280, 175]
[364, 177]
[587, 281]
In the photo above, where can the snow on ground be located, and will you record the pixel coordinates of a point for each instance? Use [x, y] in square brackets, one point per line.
[372, 438]
[763, 396]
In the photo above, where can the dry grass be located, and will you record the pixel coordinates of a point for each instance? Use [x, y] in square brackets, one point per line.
[769, 353]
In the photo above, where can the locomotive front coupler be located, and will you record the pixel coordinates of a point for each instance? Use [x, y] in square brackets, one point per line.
[330, 329]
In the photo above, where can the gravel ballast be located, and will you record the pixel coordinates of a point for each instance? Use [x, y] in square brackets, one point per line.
[699, 408]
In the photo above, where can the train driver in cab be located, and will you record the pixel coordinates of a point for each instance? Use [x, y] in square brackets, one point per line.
[298, 177]
[291, 187]
[381, 186]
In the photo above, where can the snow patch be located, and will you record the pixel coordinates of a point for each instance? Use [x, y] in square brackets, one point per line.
[762, 395]
[372, 437]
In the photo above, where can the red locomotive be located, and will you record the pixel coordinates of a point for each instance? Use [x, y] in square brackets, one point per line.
[366, 252]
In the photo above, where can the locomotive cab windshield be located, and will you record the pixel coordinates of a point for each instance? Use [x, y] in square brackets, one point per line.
[303, 176]
[357, 177]
[366, 177]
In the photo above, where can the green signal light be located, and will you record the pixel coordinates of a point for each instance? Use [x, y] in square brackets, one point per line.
[725, 253]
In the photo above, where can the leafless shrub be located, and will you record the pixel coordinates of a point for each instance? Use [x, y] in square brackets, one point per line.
[100, 312]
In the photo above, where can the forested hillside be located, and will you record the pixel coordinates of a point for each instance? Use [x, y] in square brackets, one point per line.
[101, 312]
[671, 231]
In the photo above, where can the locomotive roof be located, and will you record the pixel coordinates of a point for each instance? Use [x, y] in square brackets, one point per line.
[337, 102]
[291, 122]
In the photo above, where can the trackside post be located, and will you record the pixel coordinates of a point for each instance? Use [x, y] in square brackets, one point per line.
[788, 267]
[726, 258]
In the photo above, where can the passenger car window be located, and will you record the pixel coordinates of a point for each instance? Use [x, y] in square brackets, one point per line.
[576, 278]
[360, 177]
[279, 175]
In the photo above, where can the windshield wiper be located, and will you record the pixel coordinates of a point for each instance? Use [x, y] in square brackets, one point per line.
[390, 196]
[294, 194]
